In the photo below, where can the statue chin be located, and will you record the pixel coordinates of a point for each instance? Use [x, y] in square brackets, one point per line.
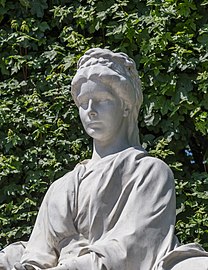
[116, 210]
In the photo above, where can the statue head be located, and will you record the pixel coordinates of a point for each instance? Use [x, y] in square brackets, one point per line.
[117, 71]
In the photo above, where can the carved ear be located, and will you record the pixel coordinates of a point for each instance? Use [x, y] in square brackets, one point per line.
[126, 110]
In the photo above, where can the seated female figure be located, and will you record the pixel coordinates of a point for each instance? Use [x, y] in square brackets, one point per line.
[117, 210]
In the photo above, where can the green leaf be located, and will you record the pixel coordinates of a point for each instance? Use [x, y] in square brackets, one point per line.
[38, 7]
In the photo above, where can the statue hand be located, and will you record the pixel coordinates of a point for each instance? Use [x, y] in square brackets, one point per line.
[63, 266]
[19, 266]
[59, 267]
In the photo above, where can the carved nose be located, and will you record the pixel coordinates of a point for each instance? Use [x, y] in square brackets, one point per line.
[91, 110]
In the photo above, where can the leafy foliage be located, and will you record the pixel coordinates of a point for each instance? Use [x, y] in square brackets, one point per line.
[40, 132]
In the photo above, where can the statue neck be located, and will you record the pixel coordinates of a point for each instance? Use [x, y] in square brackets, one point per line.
[102, 149]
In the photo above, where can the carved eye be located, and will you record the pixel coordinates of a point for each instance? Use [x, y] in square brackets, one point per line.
[83, 103]
[106, 100]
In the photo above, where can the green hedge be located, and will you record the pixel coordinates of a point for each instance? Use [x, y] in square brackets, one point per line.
[41, 137]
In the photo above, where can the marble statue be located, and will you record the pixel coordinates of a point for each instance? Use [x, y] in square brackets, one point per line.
[115, 211]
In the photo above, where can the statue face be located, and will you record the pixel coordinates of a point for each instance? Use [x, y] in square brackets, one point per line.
[101, 111]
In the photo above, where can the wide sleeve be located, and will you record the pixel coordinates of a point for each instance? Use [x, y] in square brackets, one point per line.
[54, 223]
[140, 225]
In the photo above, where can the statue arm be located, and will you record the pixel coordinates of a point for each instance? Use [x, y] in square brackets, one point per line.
[54, 223]
[144, 227]
[39, 247]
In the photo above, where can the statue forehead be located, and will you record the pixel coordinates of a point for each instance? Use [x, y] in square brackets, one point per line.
[95, 89]
[103, 77]
[99, 74]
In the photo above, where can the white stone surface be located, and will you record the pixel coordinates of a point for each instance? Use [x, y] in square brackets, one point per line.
[115, 211]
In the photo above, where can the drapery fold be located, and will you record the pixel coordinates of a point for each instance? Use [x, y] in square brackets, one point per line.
[117, 214]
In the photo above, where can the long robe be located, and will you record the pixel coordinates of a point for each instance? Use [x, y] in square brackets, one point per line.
[117, 214]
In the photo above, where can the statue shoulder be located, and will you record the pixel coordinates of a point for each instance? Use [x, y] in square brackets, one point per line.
[69, 181]
[146, 161]
[156, 169]
[155, 162]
